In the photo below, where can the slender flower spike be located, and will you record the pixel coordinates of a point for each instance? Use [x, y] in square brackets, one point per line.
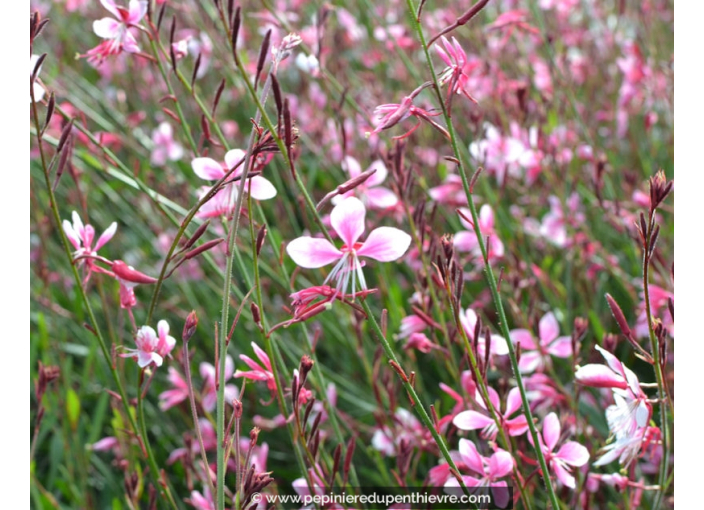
[384, 244]
[569, 454]
[151, 347]
[116, 31]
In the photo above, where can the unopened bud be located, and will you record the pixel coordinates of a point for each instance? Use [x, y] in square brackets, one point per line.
[256, 315]
[238, 408]
[189, 328]
[254, 435]
[261, 235]
[618, 315]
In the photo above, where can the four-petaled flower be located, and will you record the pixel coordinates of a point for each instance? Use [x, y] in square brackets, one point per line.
[466, 240]
[456, 74]
[224, 201]
[489, 469]
[371, 192]
[383, 244]
[151, 347]
[82, 236]
[472, 420]
[165, 147]
[116, 31]
[629, 416]
[569, 454]
[534, 355]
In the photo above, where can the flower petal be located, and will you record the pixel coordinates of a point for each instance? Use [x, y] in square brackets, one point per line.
[562, 474]
[471, 420]
[347, 218]
[548, 328]
[312, 252]
[208, 169]
[106, 236]
[471, 456]
[261, 188]
[379, 176]
[551, 430]
[573, 453]
[562, 347]
[380, 197]
[500, 464]
[385, 244]
[234, 157]
[107, 28]
[599, 376]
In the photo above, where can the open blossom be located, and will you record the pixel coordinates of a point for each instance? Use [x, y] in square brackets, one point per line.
[224, 201]
[510, 155]
[534, 355]
[207, 372]
[629, 416]
[457, 72]
[371, 192]
[569, 454]
[258, 372]
[116, 32]
[165, 147]
[406, 427]
[383, 244]
[466, 240]
[81, 237]
[489, 469]
[472, 420]
[151, 347]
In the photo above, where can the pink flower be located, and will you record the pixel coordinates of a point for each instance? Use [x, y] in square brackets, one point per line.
[467, 240]
[468, 319]
[390, 114]
[457, 74]
[450, 192]
[116, 31]
[370, 191]
[508, 154]
[165, 147]
[81, 237]
[383, 244]
[258, 373]
[151, 348]
[472, 420]
[177, 394]
[629, 416]
[489, 469]
[207, 372]
[569, 454]
[224, 201]
[534, 354]
[406, 428]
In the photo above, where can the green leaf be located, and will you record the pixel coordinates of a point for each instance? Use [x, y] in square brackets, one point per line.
[73, 408]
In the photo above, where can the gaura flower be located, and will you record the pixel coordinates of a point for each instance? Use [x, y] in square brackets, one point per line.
[384, 244]
[257, 372]
[489, 469]
[81, 237]
[371, 192]
[569, 454]
[472, 420]
[534, 355]
[116, 31]
[224, 200]
[151, 348]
